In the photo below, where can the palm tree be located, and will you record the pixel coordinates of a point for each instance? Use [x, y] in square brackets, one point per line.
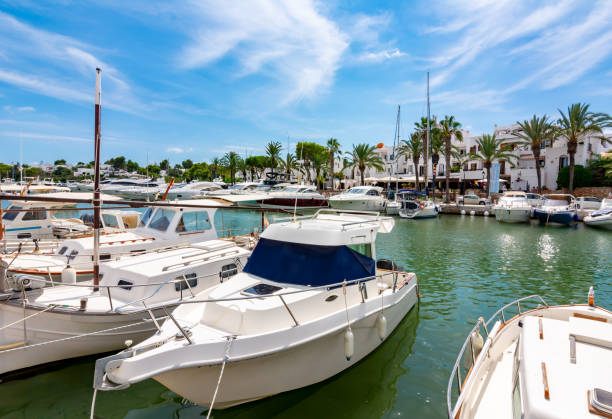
[289, 164]
[490, 151]
[333, 146]
[533, 134]
[449, 127]
[214, 167]
[364, 157]
[578, 124]
[242, 168]
[273, 149]
[413, 149]
[231, 161]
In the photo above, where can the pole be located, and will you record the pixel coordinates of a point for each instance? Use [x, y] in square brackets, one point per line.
[20, 160]
[398, 144]
[429, 140]
[96, 193]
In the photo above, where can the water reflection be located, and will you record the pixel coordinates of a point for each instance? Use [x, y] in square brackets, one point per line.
[547, 248]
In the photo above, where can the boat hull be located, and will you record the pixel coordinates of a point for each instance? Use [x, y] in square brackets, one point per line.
[604, 221]
[419, 214]
[286, 370]
[566, 218]
[513, 215]
[357, 204]
[49, 326]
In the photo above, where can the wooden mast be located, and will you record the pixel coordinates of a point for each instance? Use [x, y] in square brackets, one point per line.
[96, 192]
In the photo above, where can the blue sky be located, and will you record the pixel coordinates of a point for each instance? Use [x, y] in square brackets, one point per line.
[196, 79]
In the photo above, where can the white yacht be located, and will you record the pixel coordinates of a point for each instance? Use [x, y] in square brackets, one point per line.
[557, 211]
[359, 198]
[539, 362]
[513, 207]
[158, 228]
[193, 189]
[416, 205]
[309, 304]
[601, 218]
[40, 325]
[39, 222]
[289, 196]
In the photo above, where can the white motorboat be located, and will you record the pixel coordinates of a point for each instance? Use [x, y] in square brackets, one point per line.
[158, 228]
[601, 218]
[292, 196]
[193, 189]
[513, 207]
[41, 325]
[544, 362]
[416, 205]
[557, 211]
[39, 222]
[310, 303]
[359, 198]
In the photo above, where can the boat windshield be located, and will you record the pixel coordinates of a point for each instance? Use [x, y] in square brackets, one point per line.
[358, 191]
[161, 219]
[555, 203]
[307, 264]
[237, 187]
[10, 216]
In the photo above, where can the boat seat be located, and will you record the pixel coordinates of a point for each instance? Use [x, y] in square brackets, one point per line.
[591, 332]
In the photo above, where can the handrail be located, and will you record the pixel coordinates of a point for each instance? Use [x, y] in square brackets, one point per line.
[456, 370]
[244, 297]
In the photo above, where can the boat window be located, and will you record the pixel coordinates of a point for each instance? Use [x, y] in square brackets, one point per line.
[10, 216]
[357, 191]
[364, 248]
[262, 289]
[193, 221]
[130, 221]
[372, 193]
[145, 217]
[35, 215]
[62, 250]
[161, 219]
[106, 256]
[601, 400]
[126, 285]
[307, 264]
[110, 220]
[228, 270]
[182, 284]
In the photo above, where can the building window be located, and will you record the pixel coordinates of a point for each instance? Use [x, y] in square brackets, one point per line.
[473, 166]
[590, 148]
[420, 170]
[563, 162]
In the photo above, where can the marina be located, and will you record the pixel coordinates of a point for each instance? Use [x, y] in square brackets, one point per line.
[494, 264]
[192, 269]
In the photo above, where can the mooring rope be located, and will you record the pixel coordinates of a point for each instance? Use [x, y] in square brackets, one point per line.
[28, 317]
[228, 345]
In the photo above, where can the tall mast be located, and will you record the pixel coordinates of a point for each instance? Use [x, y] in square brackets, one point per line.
[433, 182]
[397, 146]
[96, 194]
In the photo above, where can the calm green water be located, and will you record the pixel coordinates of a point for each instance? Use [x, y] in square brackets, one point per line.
[467, 267]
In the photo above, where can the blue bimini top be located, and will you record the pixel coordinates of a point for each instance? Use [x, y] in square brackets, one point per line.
[307, 264]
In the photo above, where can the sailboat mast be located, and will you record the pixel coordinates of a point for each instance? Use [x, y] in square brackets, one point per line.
[397, 146]
[433, 179]
[96, 194]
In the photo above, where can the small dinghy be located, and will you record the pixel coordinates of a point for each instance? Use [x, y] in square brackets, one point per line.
[310, 303]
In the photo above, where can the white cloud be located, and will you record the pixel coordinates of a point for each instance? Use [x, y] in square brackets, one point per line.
[289, 40]
[38, 136]
[179, 150]
[12, 109]
[57, 66]
[381, 55]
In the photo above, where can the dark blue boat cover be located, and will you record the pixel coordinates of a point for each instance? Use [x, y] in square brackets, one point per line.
[307, 264]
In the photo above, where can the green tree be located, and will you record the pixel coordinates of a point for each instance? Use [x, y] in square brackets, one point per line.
[198, 171]
[214, 167]
[490, 151]
[333, 146]
[364, 157]
[449, 127]
[242, 168]
[132, 166]
[117, 162]
[582, 177]
[601, 170]
[230, 161]
[533, 134]
[578, 124]
[164, 164]
[273, 149]
[421, 128]
[309, 151]
[58, 162]
[413, 149]
[289, 164]
[187, 164]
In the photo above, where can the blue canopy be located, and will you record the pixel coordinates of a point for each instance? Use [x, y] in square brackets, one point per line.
[307, 264]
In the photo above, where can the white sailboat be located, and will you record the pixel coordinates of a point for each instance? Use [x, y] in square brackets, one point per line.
[309, 304]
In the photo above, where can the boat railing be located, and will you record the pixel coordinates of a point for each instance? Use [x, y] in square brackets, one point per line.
[473, 354]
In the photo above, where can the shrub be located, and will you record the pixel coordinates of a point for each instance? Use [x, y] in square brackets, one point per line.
[582, 177]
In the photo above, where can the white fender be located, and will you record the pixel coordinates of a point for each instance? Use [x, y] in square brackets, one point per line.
[349, 344]
[381, 326]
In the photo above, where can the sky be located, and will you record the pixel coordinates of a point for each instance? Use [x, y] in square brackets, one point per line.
[198, 78]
